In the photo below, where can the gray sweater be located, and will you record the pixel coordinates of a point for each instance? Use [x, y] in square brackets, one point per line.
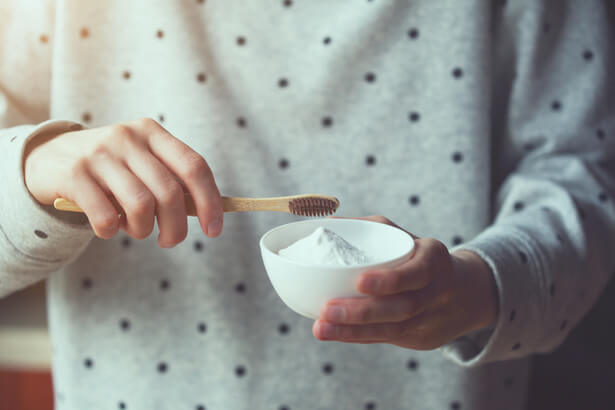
[483, 124]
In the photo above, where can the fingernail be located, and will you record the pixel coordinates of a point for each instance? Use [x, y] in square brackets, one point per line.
[335, 314]
[214, 227]
[373, 283]
[327, 330]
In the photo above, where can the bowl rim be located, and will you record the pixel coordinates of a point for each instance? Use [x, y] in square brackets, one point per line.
[405, 255]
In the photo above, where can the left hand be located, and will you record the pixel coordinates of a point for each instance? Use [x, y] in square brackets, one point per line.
[422, 304]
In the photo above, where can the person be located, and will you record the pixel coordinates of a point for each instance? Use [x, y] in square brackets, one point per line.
[484, 128]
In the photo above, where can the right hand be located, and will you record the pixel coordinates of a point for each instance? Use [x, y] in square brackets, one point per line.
[139, 163]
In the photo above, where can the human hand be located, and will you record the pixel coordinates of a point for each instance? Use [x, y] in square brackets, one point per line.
[421, 304]
[140, 165]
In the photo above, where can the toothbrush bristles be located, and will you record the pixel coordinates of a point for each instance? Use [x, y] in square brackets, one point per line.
[313, 206]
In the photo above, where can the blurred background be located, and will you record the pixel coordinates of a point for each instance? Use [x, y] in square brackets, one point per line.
[579, 375]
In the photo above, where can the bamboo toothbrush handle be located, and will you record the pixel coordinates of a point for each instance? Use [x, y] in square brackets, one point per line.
[232, 204]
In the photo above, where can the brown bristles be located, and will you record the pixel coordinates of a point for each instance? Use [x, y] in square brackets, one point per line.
[312, 206]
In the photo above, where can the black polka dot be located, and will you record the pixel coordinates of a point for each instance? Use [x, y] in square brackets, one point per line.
[200, 407]
[414, 116]
[588, 55]
[240, 371]
[126, 242]
[552, 289]
[513, 314]
[516, 346]
[241, 122]
[160, 34]
[165, 284]
[508, 382]
[563, 325]
[13, 138]
[327, 122]
[160, 118]
[162, 367]
[88, 363]
[241, 41]
[412, 364]
[523, 257]
[283, 328]
[413, 33]
[370, 77]
[457, 240]
[283, 407]
[457, 157]
[240, 287]
[370, 405]
[86, 117]
[455, 405]
[125, 325]
[44, 38]
[457, 72]
[370, 160]
[40, 234]
[283, 82]
[603, 197]
[85, 33]
[327, 368]
[287, 3]
[126, 75]
[414, 200]
[201, 327]
[283, 163]
[121, 405]
[600, 134]
[86, 283]
[198, 245]
[326, 41]
[200, 1]
[556, 105]
[201, 77]
[518, 206]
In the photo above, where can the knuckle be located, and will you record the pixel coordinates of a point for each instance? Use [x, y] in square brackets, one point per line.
[106, 223]
[194, 166]
[170, 194]
[363, 313]
[141, 204]
[78, 169]
[122, 131]
[147, 123]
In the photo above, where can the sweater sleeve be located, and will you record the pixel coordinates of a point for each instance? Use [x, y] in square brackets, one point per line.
[35, 239]
[550, 244]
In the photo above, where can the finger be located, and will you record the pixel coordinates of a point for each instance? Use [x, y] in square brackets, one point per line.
[90, 197]
[372, 333]
[381, 309]
[168, 195]
[131, 194]
[414, 274]
[377, 218]
[194, 171]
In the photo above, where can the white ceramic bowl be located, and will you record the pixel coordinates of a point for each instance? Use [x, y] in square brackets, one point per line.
[306, 288]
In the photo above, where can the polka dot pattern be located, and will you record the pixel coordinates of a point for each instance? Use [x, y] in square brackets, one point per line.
[376, 160]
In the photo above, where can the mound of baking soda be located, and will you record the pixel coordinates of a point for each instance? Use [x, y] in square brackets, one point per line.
[324, 247]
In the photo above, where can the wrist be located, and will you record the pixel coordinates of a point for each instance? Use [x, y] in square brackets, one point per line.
[479, 286]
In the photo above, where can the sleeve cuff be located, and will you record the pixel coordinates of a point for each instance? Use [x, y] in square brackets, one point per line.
[37, 233]
[516, 265]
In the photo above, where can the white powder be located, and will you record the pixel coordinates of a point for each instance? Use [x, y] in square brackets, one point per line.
[324, 247]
